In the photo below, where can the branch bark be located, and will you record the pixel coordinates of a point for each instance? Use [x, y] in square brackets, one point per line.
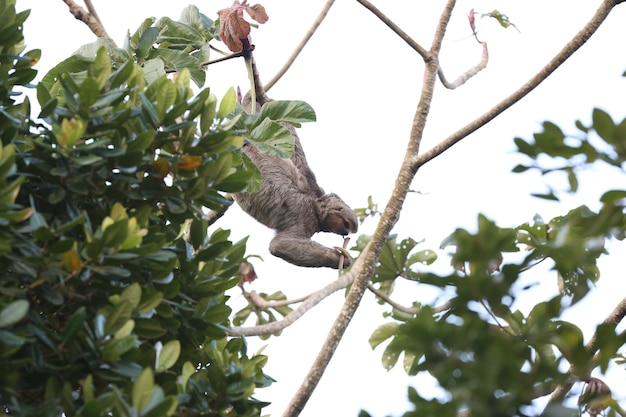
[91, 20]
[301, 45]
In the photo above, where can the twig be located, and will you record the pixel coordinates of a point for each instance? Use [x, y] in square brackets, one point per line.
[92, 22]
[401, 308]
[388, 300]
[462, 79]
[261, 302]
[300, 46]
[312, 300]
[213, 215]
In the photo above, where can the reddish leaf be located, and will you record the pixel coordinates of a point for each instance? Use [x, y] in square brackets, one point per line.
[234, 28]
[472, 20]
[246, 270]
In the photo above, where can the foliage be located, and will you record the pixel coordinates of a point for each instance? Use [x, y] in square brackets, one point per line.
[486, 357]
[113, 297]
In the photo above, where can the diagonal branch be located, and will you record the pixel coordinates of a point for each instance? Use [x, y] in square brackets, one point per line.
[311, 301]
[301, 45]
[396, 29]
[91, 20]
[568, 50]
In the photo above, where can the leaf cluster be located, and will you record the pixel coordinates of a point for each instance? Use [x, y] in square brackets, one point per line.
[489, 358]
[113, 298]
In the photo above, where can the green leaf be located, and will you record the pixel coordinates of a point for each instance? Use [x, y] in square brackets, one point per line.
[148, 328]
[142, 390]
[168, 356]
[604, 125]
[187, 371]
[75, 324]
[150, 302]
[117, 347]
[425, 257]
[153, 69]
[612, 196]
[115, 234]
[547, 196]
[146, 42]
[167, 407]
[520, 168]
[132, 294]
[87, 160]
[100, 69]
[272, 139]
[141, 142]
[13, 313]
[383, 333]
[87, 386]
[292, 112]
[118, 317]
[178, 60]
[227, 105]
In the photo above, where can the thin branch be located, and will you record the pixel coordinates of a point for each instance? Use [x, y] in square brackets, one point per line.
[388, 300]
[616, 316]
[572, 46]
[92, 11]
[261, 302]
[300, 46]
[408, 310]
[311, 301]
[213, 215]
[425, 54]
[462, 79]
[92, 22]
[395, 28]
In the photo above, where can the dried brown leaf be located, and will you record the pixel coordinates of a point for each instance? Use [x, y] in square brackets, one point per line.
[257, 12]
[234, 28]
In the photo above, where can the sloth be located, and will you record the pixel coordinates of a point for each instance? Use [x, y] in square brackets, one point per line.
[292, 203]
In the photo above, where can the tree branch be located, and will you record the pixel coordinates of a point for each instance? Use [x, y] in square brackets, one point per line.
[395, 28]
[92, 10]
[401, 308]
[462, 79]
[366, 263]
[261, 302]
[568, 50]
[91, 20]
[300, 46]
[312, 300]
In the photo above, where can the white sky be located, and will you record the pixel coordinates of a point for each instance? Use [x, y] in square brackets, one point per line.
[364, 84]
